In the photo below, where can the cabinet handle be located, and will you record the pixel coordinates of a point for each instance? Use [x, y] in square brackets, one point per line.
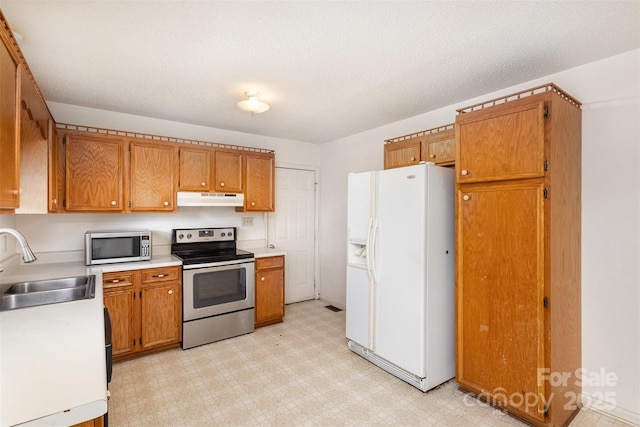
[158, 275]
[432, 156]
[253, 203]
[113, 203]
[170, 291]
[463, 172]
[262, 279]
[166, 203]
[204, 184]
[115, 281]
[413, 159]
[222, 184]
[465, 197]
[55, 201]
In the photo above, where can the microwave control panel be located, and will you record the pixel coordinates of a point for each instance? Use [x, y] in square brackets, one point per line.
[145, 246]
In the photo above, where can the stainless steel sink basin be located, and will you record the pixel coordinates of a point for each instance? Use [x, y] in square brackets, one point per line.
[43, 292]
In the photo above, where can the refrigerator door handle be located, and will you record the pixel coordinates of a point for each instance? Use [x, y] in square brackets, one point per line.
[368, 254]
[374, 233]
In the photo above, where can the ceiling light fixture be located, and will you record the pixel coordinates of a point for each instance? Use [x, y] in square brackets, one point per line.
[252, 104]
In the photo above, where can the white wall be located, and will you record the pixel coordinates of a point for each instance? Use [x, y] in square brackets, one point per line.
[610, 92]
[64, 232]
[7, 243]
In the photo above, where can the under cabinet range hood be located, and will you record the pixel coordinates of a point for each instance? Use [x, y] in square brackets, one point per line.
[186, 198]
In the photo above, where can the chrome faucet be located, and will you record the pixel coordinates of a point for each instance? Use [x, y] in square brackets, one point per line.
[27, 254]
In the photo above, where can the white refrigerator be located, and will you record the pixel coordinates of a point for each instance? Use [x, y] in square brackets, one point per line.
[400, 304]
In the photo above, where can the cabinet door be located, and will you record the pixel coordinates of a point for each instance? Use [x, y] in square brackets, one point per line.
[227, 171]
[154, 174]
[9, 127]
[402, 153]
[269, 279]
[119, 300]
[94, 174]
[161, 317]
[441, 147]
[259, 195]
[505, 144]
[195, 169]
[500, 292]
[269, 307]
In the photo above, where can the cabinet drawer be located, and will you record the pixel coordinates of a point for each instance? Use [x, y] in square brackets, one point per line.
[269, 262]
[117, 279]
[166, 274]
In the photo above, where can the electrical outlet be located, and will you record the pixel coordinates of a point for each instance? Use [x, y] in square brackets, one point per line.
[247, 221]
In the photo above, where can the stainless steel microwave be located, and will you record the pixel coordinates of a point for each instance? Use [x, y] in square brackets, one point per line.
[106, 247]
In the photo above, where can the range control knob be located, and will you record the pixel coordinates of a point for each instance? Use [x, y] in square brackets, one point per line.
[180, 236]
[189, 236]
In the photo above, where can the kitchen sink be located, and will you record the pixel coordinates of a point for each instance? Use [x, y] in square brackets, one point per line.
[43, 292]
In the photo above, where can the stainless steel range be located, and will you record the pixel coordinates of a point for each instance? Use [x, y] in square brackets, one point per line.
[218, 285]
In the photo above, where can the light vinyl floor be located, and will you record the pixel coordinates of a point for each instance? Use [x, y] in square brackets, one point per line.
[297, 373]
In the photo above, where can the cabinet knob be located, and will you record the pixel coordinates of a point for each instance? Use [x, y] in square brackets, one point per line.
[166, 203]
[170, 292]
[413, 159]
[465, 197]
[204, 184]
[113, 203]
[262, 279]
[253, 203]
[222, 184]
[463, 172]
[432, 156]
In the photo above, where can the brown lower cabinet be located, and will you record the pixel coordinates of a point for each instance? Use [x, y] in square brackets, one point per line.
[145, 307]
[269, 290]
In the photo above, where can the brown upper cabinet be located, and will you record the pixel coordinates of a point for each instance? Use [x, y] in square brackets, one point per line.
[153, 176]
[404, 153]
[435, 145]
[227, 171]
[94, 173]
[117, 171]
[260, 182]
[24, 132]
[9, 124]
[503, 144]
[195, 169]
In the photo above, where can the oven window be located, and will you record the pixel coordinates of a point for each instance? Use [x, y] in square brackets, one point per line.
[219, 287]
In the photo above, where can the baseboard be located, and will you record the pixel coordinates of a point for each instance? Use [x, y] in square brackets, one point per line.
[332, 302]
[610, 410]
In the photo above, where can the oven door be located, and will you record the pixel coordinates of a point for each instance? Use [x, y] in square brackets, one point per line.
[213, 290]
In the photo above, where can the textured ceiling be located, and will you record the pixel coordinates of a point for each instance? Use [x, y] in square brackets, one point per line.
[328, 69]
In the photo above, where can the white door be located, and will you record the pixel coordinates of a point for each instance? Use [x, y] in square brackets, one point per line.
[292, 229]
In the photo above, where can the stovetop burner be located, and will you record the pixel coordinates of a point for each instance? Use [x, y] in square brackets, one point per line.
[206, 245]
[198, 257]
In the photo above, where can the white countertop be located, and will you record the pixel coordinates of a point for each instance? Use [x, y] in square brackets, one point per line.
[266, 252]
[155, 262]
[52, 357]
